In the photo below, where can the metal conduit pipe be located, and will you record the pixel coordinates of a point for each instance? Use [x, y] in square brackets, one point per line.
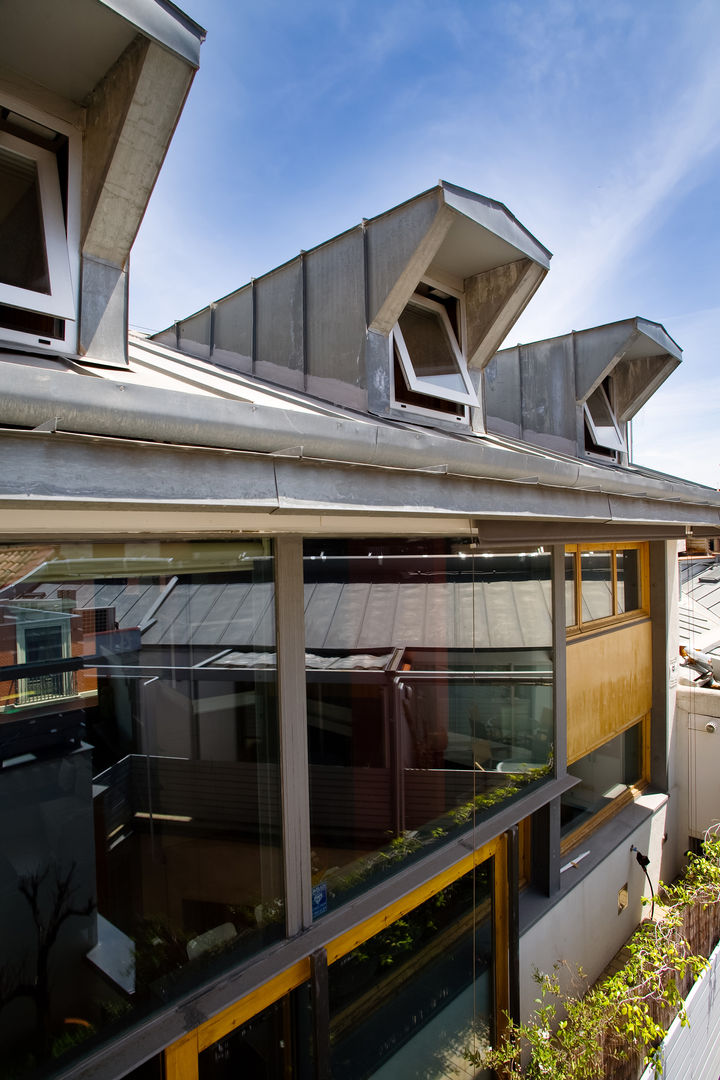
[94, 406]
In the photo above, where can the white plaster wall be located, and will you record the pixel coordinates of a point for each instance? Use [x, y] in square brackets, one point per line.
[583, 929]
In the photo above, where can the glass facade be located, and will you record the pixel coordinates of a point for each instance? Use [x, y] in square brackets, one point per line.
[596, 585]
[627, 562]
[140, 824]
[408, 1002]
[429, 698]
[274, 1045]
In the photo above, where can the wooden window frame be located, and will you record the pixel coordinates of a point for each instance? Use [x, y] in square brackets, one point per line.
[580, 625]
[632, 792]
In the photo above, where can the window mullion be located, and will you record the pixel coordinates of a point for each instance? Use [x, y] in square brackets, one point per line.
[292, 722]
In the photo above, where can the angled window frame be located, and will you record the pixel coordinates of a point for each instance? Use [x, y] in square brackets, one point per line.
[605, 435]
[421, 384]
[58, 302]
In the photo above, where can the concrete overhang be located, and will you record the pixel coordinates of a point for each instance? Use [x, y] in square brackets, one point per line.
[639, 355]
[472, 243]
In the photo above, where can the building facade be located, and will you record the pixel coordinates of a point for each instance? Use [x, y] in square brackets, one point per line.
[335, 645]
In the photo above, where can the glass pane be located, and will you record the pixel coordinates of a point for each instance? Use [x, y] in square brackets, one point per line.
[628, 579]
[596, 585]
[274, 1045]
[429, 698]
[140, 823]
[23, 259]
[407, 1002]
[570, 590]
[429, 348]
[605, 432]
[604, 774]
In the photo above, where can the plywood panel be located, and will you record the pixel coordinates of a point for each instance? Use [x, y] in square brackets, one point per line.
[609, 684]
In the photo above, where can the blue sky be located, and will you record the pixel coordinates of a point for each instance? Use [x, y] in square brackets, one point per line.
[596, 123]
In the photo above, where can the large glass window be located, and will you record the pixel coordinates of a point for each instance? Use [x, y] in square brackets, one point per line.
[140, 827]
[606, 774]
[275, 1044]
[429, 698]
[408, 1002]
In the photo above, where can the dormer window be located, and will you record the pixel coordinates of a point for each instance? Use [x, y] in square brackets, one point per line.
[36, 293]
[602, 431]
[427, 348]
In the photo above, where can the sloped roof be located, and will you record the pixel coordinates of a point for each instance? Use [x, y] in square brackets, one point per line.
[699, 609]
[339, 615]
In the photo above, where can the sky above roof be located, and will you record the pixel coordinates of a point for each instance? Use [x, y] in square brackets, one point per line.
[598, 126]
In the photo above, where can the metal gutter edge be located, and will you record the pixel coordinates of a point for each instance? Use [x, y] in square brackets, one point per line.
[30, 397]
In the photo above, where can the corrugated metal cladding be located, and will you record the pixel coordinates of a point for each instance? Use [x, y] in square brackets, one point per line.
[335, 310]
[279, 326]
[463, 615]
[233, 336]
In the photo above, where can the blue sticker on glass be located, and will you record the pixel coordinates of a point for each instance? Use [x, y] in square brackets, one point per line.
[319, 900]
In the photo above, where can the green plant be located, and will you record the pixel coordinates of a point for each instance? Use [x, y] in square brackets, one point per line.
[625, 1015]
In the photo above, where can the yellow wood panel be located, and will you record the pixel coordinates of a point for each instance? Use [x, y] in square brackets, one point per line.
[609, 684]
[501, 948]
[181, 1059]
[361, 933]
[239, 1013]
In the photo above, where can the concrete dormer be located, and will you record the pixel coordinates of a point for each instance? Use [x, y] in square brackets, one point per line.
[396, 317]
[576, 393]
[90, 93]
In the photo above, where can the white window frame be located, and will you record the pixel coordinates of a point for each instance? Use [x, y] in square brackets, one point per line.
[609, 437]
[422, 385]
[59, 301]
[67, 682]
[65, 122]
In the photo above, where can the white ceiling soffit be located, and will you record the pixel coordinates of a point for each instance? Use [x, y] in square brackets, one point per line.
[81, 39]
[638, 353]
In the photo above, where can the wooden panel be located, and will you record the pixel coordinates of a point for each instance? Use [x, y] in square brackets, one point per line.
[181, 1059]
[609, 684]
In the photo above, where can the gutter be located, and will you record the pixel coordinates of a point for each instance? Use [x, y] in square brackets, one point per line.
[67, 402]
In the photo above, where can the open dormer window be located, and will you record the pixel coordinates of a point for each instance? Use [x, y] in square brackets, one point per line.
[36, 294]
[428, 355]
[602, 431]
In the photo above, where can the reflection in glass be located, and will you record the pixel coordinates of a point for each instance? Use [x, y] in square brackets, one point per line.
[604, 774]
[139, 782]
[275, 1044]
[23, 258]
[570, 590]
[628, 580]
[596, 585]
[407, 1002]
[429, 699]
